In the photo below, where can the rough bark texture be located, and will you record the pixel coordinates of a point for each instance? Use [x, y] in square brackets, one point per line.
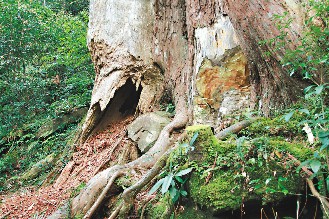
[133, 39]
[254, 22]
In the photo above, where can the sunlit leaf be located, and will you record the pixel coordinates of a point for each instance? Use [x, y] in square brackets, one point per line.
[184, 172]
[306, 111]
[156, 186]
[267, 181]
[194, 138]
[179, 179]
[288, 116]
[319, 89]
[307, 89]
[173, 192]
[166, 183]
[183, 192]
[315, 165]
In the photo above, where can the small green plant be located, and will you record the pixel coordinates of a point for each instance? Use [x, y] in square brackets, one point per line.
[169, 108]
[172, 181]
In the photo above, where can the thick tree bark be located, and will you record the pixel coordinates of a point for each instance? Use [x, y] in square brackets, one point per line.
[254, 21]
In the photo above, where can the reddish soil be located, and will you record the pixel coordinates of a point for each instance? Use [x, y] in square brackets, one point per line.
[31, 201]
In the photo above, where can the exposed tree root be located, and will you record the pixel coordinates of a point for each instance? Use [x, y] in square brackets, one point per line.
[101, 197]
[130, 193]
[144, 206]
[157, 157]
[116, 211]
[102, 184]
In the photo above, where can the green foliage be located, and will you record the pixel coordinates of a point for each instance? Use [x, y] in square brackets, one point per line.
[311, 57]
[45, 65]
[190, 212]
[77, 190]
[46, 72]
[221, 194]
[170, 108]
[73, 7]
[172, 181]
[311, 60]
[161, 209]
[272, 127]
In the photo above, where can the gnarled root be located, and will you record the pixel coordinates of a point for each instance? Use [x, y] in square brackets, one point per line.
[103, 184]
[99, 200]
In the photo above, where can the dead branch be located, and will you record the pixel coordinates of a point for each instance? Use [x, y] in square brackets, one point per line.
[310, 183]
[235, 128]
[316, 194]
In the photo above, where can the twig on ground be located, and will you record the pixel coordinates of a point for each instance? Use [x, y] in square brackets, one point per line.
[5, 215]
[235, 128]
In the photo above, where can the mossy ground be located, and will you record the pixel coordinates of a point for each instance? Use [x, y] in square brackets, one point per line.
[160, 208]
[250, 167]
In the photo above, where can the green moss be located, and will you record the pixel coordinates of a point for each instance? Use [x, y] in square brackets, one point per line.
[161, 209]
[206, 144]
[274, 127]
[220, 194]
[298, 149]
[272, 182]
[266, 176]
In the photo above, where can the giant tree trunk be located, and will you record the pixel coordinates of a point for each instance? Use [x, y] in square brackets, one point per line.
[178, 51]
[165, 42]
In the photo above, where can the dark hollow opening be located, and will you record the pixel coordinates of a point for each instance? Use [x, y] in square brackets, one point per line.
[122, 105]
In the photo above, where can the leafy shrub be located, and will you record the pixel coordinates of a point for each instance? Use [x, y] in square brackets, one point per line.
[46, 71]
